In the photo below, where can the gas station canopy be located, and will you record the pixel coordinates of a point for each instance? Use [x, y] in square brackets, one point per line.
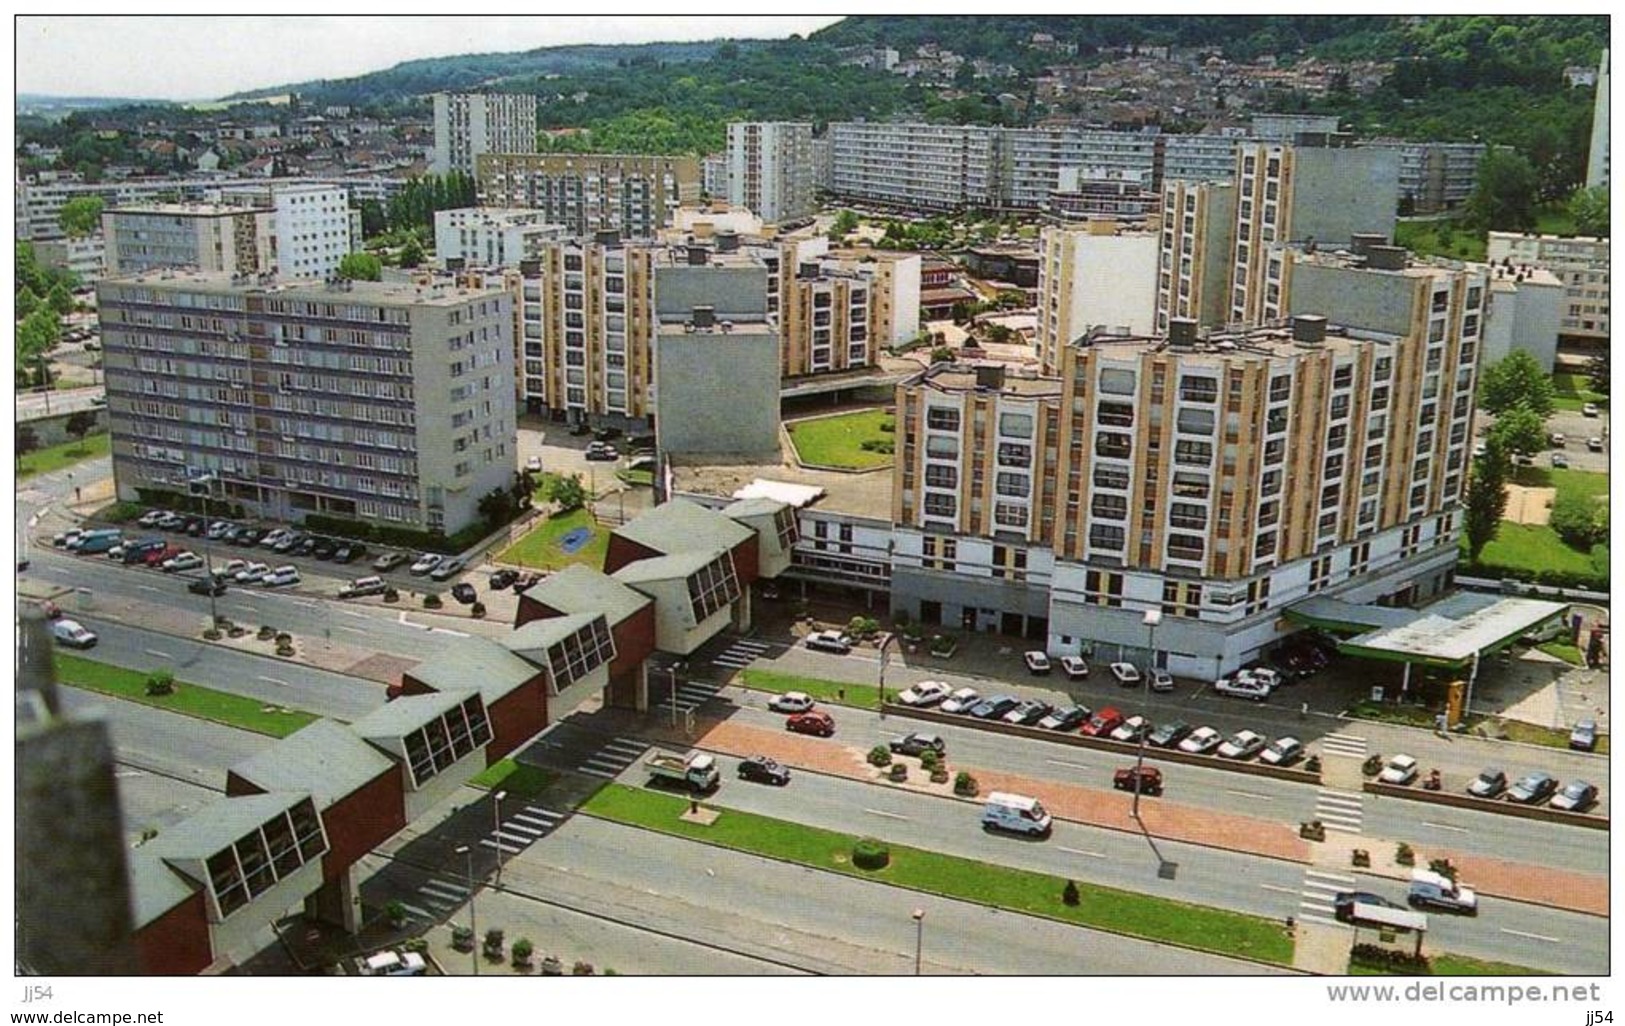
[1448, 633]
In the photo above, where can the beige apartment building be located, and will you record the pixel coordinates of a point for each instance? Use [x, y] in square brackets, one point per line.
[635, 195]
[202, 236]
[1102, 274]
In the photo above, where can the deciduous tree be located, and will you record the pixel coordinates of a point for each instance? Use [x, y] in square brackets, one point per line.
[1486, 499]
[1516, 380]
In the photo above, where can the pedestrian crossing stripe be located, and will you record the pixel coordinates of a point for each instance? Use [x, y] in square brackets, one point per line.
[442, 887]
[1343, 828]
[540, 813]
[1310, 917]
[532, 821]
[625, 745]
[597, 772]
[419, 913]
[1315, 906]
[1317, 874]
[510, 849]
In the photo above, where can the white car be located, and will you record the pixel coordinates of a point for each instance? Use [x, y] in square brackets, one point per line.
[1265, 676]
[183, 561]
[231, 569]
[151, 517]
[1282, 751]
[829, 641]
[1589, 410]
[282, 575]
[1243, 744]
[426, 562]
[1242, 686]
[1127, 674]
[252, 573]
[218, 529]
[926, 692]
[72, 633]
[1594, 443]
[791, 702]
[1162, 680]
[1401, 769]
[1131, 729]
[1075, 667]
[272, 538]
[1037, 662]
[1201, 741]
[534, 464]
[67, 538]
[961, 701]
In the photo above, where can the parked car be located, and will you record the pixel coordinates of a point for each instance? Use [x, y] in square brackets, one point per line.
[1243, 744]
[171, 522]
[1065, 719]
[993, 707]
[1126, 674]
[253, 573]
[819, 723]
[66, 538]
[247, 537]
[195, 526]
[281, 577]
[606, 434]
[1145, 779]
[1241, 686]
[426, 562]
[791, 702]
[917, 743]
[925, 693]
[526, 580]
[829, 641]
[388, 561]
[207, 586]
[1401, 769]
[1576, 796]
[1590, 410]
[218, 529]
[447, 569]
[230, 568]
[600, 452]
[1489, 783]
[1103, 722]
[289, 542]
[1343, 903]
[1037, 663]
[534, 464]
[274, 537]
[1201, 741]
[1027, 712]
[1162, 680]
[1133, 729]
[1169, 734]
[349, 552]
[325, 548]
[961, 701]
[464, 592]
[151, 517]
[1533, 789]
[181, 561]
[364, 586]
[1435, 890]
[1583, 738]
[1559, 460]
[1075, 667]
[73, 634]
[1594, 444]
[160, 554]
[501, 580]
[763, 770]
[1283, 751]
[1558, 440]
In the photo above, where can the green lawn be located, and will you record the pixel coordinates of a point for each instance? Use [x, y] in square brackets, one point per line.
[1102, 908]
[1564, 651]
[43, 461]
[1574, 391]
[1448, 964]
[637, 478]
[1527, 549]
[188, 699]
[861, 696]
[516, 778]
[1441, 238]
[540, 548]
[544, 481]
[838, 441]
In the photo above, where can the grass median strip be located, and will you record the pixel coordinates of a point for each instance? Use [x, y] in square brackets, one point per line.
[187, 699]
[1018, 890]
[43, 461]
[516, 778]
[835, 692]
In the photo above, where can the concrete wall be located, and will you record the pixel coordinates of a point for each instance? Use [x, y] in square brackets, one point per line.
[718, 393]
[1352, 297]
[1525, 315]
[737, 293]
[1114, 283]
[1338, 192]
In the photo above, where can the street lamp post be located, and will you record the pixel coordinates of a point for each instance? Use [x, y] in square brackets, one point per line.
[45, 382]
[208, 549]
[672, 670]
[497, 816]
[473, 926]
[885, 652]
[1152, 618]
[919, 937]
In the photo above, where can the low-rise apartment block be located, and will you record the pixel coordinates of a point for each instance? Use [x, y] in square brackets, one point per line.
[635, 195]
[490, 236]
[203, 236]
[382, 403]
[1581, 263]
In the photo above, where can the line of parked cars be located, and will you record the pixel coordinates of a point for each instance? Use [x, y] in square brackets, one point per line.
[1534, 789]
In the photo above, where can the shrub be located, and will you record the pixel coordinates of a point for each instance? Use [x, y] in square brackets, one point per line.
[1387, 958]
[899, 772]
[284, 648]
[522, 949]
[884, 446]
[1372, 765]
[939, 775]
[267, 632]
[1405, 855]
[161, 682]
[1443, 868]
[417, 944]
[391, 595]
[432, 602]
[1362, 857]
[965, 785]
[582, 969]
[930, 759]
[284, 638]
[1069, 894]
[396, 911]
[870, 853]
[1574, 518]
[477, 610]
[880, 755]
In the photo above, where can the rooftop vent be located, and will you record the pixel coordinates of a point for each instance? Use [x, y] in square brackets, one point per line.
[705, 317]
[698, 256]
[1361, 242]
[1386, 258]
[608, 237]
[990, 376]
[727, 242]
[530, 268]
[1309, 329]
[1181, 332]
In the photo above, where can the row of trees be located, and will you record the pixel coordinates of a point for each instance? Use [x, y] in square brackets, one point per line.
[44, 295]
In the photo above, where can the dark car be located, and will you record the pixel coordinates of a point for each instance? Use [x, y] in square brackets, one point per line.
[325, 549]
[606, 434]
[763, 770]
[993, 708]
[1343, 903]
[350, 552]
[194, 526]
[1489, 783]
[1533, 789]
[1065, 719]
[1170, 734]
[501, 580]
[1027, 713]
[917, 744]
[1576, 796]
[1148, 778]
[600, 452]
[463, 592]
[289, 542]
[308, 545]
[247, 536]
[640, 443]
[1583, 738]
[815, 722]
[207, 586]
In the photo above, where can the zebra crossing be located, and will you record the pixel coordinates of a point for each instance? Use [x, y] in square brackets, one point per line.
[742, 653]
[612, 758]
[1343, 744]
[1319, 889]
[442, 895]
[1339, 810]
[691, 694]
[522, 829]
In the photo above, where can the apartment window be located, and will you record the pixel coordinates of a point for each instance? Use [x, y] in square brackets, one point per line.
[941, 419]
[1109, 507]
[1112, 444]
[1280, 389]
[1188, 515]
[942, 446]
[1186, 546]
[1008, 515]
[1199, 390]
[1264, 546]
[939, 505]
[1012, 484]
[1107, 536]
[1196, 422]
[938, 475]
[1014, 455]
[1192, 453]
[1019, 425]
[1110, 477]
[1116, 381]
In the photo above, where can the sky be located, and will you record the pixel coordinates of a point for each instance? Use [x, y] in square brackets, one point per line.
[200, 58]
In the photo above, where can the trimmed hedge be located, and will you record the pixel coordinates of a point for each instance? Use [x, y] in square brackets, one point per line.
[870, 853]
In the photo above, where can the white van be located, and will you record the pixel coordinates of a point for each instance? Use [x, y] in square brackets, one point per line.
[1015, 813]
[390, 963]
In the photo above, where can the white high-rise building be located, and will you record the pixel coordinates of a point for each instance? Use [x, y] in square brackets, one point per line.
[469, 124]
[1597, 161]
[770, 168]
[313, 227]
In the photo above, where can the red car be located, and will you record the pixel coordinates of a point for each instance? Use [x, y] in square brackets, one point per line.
[815, 722]
[1103, 723]
[153, 557]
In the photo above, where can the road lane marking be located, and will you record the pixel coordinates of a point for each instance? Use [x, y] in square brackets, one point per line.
[1532, 936]
[1328, 876]
[273, 680]
[1278, 887]
[1080, 851]
[1250, 794]
[1446, 826]
[352, 630]
[1074, 765]
[353, 612]
[888, 815]
[448, 630]
[246, 609]
[146, 587]
[157, 654]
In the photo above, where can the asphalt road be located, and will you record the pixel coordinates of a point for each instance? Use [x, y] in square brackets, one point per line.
[37, 404]
[183, 747]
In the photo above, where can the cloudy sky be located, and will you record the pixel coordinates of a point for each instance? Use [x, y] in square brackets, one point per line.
[196, 58]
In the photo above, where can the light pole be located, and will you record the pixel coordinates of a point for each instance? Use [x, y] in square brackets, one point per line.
[496, 814]
[1152, 618]
[919, 937]
[885, 653]
[207, 481]
[473, 927]
[45, 381]
[672, 669]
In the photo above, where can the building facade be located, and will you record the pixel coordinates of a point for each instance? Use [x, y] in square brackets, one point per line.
[203, 236]
[490, 237]
[314, 226]
[1597, 155]
[467, 125]
[770, 169]
[916, 165]
[386, 404]
[1581, 263]
[589, 193]
[1099, 276]
[1434, 176]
